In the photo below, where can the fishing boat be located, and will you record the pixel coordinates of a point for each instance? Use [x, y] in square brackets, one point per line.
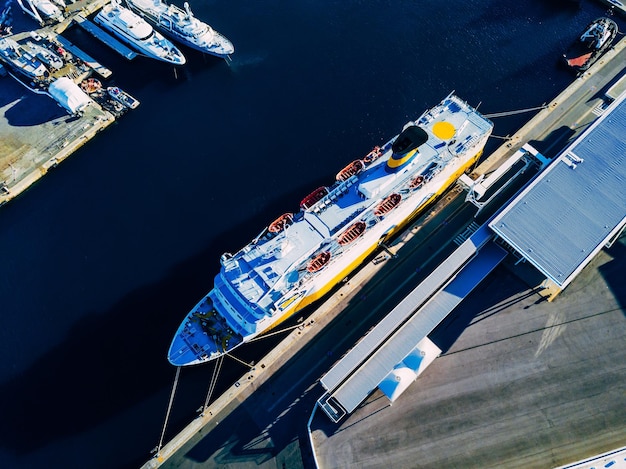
[337, 228]
[181, 25]
[21, 60]
[122, 97]
[596, 38]
[137, 33]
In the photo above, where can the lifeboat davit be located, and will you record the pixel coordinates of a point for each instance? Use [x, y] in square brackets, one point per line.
[372, 155]
[353, 168]
[281, 223]
[318, 262]
[388, 204]
[416, 182]
[352, 233]
[315, 196]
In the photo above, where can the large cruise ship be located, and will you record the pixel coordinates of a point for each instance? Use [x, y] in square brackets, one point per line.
[183, 26]
[137, 33]
[300, 256]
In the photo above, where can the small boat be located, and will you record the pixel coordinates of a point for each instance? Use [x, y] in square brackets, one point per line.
[90, 85]
[122, 97]
[352, 169]
[315, 196]
[21, 60]
[352, 233]
[388, 204]
[318, 262]
[281, 223]
[42, 11]
[46, 55]
[591, 44]
[181, 25]
[137, 33]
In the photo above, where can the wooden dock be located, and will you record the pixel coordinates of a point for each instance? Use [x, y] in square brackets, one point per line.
[90, 61]
[106, 38]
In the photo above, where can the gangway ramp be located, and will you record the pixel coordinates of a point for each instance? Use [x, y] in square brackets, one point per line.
[106, 38]
[367, 364]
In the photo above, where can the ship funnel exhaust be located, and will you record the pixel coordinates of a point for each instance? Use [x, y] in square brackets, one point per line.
[405, 148]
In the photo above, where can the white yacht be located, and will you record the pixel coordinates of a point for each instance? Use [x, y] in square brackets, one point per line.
[22, 61]
[182, 26]
[42, 11]
[137, 33]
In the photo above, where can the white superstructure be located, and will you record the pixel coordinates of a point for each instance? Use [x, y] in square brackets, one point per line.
[137, 33]
[181, 25]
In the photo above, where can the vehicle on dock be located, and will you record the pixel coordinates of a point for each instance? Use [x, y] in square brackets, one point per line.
[181, 25]
[596, 38]
[301, 256]
[22, 61]
[122, 97]
[137, 33]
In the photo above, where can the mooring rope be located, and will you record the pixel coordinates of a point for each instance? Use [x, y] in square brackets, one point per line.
[239, 360]
[169, 409]
[511, 113]
[270, 334]
[216, 370]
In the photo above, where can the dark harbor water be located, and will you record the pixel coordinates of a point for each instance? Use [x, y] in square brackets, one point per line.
[102, 258]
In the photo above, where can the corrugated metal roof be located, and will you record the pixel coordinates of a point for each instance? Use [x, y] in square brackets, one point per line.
[361, 383]
[575, 206]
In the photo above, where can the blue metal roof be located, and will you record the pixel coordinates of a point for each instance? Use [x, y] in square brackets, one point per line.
[572, 209]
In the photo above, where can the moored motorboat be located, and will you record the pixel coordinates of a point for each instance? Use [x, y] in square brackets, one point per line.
[42, 11]
[21, 60]
[596, 38]
[181, 25]
[123, 97]
[136, 32]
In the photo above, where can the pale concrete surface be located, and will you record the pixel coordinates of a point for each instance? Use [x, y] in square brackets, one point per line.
[527, 383]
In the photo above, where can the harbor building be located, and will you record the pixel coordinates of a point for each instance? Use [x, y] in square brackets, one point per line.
[557, 223]
[575, 207]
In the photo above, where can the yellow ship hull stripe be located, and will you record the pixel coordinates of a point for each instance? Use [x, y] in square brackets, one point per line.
[307, 300]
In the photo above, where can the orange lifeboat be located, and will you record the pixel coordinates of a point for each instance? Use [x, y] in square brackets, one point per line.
[372, 155]
[353, 168]
[387, 205]
[416, 182]
[352, 233]
[281, 223]
[315, 196]
[318, 262]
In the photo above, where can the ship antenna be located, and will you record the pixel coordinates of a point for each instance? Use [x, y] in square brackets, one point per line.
[188, 10]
